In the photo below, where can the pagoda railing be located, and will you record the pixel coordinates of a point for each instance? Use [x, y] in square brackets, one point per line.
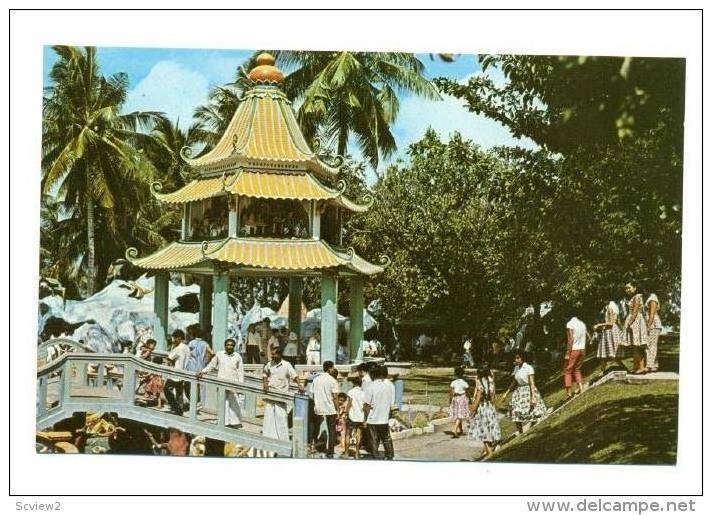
[81, 382]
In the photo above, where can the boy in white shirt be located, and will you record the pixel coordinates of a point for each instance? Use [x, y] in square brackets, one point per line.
[355, 418]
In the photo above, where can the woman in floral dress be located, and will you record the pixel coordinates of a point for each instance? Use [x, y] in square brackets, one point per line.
[484, 424]
[654, 326]
[609, 337]
[526, 405]
[636, 333]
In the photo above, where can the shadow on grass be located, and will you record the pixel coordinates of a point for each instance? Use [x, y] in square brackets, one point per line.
[635, 429]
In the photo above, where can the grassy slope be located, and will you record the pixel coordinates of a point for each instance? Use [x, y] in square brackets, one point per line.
[615, 423]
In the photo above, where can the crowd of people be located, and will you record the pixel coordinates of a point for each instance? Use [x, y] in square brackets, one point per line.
[355, 421]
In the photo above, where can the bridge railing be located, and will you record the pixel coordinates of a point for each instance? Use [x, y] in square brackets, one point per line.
[108, 382]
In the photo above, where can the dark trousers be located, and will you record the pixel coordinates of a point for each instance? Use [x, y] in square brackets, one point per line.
[330, 433]
[380, 433]
[173, 390]
[253, 354]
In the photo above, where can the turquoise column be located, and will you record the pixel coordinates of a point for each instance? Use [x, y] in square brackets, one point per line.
[295, 305]
[206, 300]
[329, 321]
[160, 308]
[221, 285]
[356, 319]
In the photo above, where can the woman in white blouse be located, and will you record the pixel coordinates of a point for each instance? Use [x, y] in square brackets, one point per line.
[526, 405]
[654, 326]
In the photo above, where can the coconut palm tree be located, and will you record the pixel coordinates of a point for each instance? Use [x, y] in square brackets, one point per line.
[346, 94]
[164, 151]
[90, 150]
[213, 118]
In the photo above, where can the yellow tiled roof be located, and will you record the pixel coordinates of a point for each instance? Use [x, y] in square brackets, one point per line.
[263, 129]
[265, 253]
[300, 186]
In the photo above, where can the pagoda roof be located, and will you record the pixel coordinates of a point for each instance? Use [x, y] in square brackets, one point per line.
[297, 186]
[267, 254]
[263, 133]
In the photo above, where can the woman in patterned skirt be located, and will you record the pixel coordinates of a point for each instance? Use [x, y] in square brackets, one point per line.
[609, 337]
[526, 405]
[458, 402]
[654, 326]
[484, 424]
[636, 334]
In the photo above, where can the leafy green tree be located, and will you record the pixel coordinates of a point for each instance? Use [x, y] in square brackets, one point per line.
[90, 156]
[604, 191]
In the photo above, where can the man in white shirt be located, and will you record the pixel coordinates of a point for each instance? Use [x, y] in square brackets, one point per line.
[314, 349]
[379, 400]
[326, 390]
[173, 389]
[575, 353]
[230, 368]
[276, 375]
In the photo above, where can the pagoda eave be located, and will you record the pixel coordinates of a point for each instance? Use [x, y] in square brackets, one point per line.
[257, 256]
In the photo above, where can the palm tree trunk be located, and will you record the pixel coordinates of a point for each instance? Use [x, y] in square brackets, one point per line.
[343, 140]
[91, 250]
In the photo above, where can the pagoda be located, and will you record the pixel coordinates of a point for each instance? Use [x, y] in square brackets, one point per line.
[262, 207]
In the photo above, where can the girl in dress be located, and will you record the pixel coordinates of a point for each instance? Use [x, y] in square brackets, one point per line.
[636, 334]
[458, 401]
[484, 424]
[654, 326]
[526, 405]
[609, 337]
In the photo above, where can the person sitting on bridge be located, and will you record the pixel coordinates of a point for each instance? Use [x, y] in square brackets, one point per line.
[230, 368]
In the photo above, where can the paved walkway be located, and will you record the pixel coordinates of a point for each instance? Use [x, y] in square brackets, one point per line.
[437, 446]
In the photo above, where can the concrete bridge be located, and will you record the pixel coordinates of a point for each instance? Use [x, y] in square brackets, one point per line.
[81, 382]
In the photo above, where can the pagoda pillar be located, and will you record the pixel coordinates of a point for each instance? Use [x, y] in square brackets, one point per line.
[295, 305]
[233, 218]
[206, 300]
[316, 220]
[221, 285]
[356, 319]
[185, 228]
[160, 309]
[329, 318]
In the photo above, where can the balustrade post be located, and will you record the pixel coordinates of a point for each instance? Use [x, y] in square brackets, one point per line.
[42, 394]
[250, 408]
[129, 383]
[99, 375]
[82, 373]
[64, 383]
[300, 426]
[221, 406]
[194, 387]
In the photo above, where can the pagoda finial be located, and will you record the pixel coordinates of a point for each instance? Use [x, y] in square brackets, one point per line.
[266, 72]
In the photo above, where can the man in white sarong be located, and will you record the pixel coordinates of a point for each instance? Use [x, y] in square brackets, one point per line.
[276, 375]
[230, 368]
